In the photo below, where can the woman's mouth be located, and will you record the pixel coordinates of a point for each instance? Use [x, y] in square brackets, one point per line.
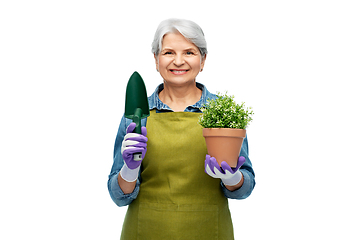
[179, 71]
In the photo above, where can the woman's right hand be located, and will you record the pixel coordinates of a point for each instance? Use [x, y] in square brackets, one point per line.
[132, 143]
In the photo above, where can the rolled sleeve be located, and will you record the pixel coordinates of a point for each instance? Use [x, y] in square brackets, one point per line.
[244, 191]
[118, 196]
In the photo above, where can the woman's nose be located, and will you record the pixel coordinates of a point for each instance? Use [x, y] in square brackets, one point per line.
[179, 60]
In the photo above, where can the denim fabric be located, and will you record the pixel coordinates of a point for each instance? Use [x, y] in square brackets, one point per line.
[122, 199]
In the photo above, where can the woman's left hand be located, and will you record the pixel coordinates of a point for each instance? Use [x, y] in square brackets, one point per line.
[229, 176]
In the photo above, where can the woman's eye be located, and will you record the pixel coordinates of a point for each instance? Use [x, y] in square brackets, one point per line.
[189, 53]
[167, 53]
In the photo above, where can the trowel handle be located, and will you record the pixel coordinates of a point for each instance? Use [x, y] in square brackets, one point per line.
[137, 157]
[137, 120]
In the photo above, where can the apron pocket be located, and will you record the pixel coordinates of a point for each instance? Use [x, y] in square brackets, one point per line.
[175, 222]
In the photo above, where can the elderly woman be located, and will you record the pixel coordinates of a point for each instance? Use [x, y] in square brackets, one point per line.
[168, 193]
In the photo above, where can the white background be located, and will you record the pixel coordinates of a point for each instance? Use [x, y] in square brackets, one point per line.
[64, 66]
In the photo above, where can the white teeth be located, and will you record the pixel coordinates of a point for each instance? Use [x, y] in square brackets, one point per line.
[175, 71]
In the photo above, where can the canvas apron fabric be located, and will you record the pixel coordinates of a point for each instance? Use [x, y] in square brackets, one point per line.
[177, 199]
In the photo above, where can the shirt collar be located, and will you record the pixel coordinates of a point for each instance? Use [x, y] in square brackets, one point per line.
[156, 103]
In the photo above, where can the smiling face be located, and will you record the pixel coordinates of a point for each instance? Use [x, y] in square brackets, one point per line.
[179, 61]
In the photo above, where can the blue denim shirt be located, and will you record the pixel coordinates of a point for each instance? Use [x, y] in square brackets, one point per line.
[122, 199]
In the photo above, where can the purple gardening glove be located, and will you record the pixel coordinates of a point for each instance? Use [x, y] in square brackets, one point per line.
[229, 176]
[132, 143]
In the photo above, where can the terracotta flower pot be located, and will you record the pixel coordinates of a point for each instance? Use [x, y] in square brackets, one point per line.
[224, 144]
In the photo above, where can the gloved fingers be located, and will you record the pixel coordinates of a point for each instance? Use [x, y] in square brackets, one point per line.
[133, 143]
[131, 127]
[128, 156]
[134, 140]
[240, 162]
[225, 172]
[129, 144]
[207, 166]
[132, 150]
[207, 161]
[218, 172]
[225, 167]
[135, 137]
[212, 164]
[143, 153]
[229, 176]
[210, 172]
[215, 166]
[143, 131]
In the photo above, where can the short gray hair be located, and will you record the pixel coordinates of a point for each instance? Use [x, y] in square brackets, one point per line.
[187, 28]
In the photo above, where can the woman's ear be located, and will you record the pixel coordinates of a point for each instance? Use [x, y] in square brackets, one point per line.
[202, 62]
[156, 62]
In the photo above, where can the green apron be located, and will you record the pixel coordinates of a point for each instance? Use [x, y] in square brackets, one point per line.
[177, 199]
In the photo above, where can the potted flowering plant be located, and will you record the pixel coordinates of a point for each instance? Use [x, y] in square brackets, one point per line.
[225, 123]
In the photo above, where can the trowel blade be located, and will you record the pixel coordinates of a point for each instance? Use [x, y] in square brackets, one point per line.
[136, 100]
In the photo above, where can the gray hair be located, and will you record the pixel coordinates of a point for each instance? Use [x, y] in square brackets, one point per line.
[187, 28]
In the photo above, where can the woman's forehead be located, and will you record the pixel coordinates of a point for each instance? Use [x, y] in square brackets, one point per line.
[176, 40]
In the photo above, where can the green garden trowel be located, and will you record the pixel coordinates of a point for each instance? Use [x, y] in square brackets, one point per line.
[136, 104]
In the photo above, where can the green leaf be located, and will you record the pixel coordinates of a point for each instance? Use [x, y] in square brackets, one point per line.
[223, 112]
